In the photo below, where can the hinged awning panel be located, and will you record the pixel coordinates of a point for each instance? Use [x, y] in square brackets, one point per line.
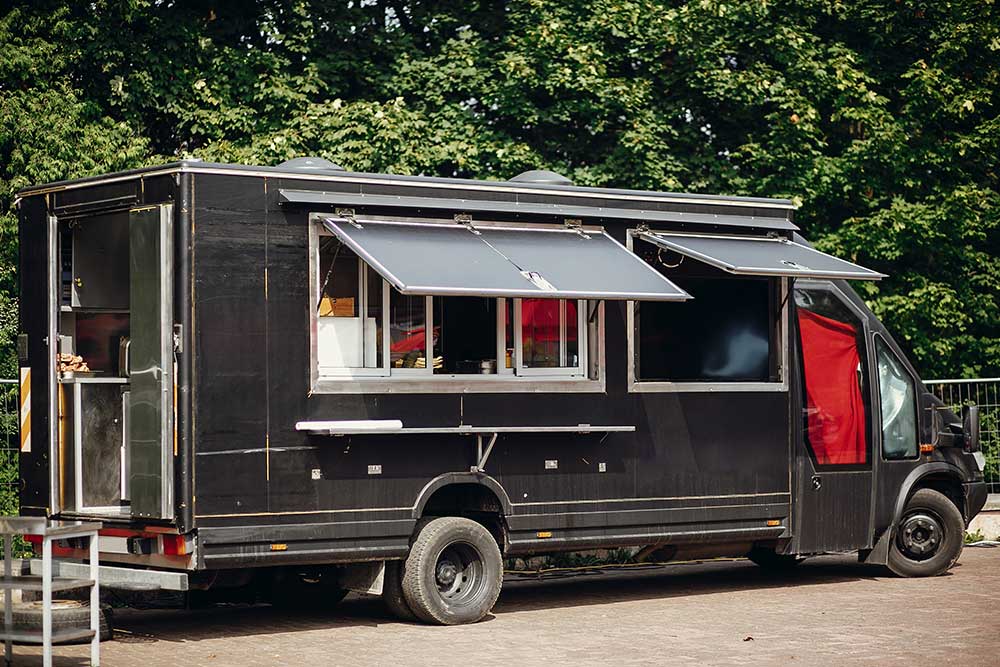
[761, 256]
[468, 260]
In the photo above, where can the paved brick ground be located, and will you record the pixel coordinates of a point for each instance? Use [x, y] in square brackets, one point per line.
[830, 611]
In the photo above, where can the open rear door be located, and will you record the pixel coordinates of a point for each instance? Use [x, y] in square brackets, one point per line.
[151, 367]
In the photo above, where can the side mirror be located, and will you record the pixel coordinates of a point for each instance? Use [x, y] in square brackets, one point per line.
[970, 427]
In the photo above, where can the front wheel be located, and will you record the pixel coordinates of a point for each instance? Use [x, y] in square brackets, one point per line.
[453, 573]
[928, 538]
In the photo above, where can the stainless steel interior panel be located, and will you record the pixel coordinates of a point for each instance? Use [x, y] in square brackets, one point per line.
[761, 256]
[101, 443]
[100, 262]
[150, 419]
[442, 259]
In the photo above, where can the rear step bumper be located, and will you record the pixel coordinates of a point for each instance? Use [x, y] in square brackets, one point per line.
[126, 578]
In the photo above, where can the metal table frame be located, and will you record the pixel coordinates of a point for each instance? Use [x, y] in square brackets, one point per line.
[392, 426]
[47, 584]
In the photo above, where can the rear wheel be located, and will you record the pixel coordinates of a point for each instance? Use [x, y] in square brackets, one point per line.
[453, 573]
[769, 559]
[928, 538]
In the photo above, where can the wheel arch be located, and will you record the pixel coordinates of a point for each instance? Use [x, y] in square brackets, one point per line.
[473, 495]
[462, 478]
[942, 477]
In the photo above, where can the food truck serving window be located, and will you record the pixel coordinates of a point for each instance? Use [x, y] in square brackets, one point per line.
[734, 330]
[366, 327]
[730, 332]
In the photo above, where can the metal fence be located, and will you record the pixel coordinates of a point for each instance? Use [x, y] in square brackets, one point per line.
[985, 393]
[9, 446]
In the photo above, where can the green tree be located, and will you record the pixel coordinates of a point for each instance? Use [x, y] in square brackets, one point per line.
[879, 118]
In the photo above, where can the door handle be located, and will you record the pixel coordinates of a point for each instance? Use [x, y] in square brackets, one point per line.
[817, 482]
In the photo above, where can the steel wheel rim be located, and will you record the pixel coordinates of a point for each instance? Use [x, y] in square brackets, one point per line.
[921, 534]
[459, 574]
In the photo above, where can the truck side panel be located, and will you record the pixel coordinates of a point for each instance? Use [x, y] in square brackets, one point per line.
[700, 466]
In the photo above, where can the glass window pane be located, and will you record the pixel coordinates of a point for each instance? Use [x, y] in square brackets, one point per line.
[466, 333]
[373, 320]
[540, 333]
[339, 287]
[437, 334]
[509, 332]
[407, 331]
[572, 337]
[723, 335]
[897, 398]
[832, 343]
[339, 327]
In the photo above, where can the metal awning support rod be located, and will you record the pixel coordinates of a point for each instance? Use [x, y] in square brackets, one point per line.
[482, 456]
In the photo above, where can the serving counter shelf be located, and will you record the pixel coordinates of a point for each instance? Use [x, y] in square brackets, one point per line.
[395, 426]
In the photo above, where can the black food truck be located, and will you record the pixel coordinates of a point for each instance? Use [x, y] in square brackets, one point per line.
[309, 379]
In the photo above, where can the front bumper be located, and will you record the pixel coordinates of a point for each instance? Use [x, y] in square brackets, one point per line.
[975, 499]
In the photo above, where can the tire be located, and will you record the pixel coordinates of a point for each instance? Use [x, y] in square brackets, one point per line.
[66, 614]
[454, 572]
[392, 591]
[770, 560]
[929, 536]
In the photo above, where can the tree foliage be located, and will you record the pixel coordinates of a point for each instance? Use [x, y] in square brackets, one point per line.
[880, 119]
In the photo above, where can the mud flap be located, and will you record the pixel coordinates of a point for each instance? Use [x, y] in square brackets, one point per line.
[879, 554]
[363, 577]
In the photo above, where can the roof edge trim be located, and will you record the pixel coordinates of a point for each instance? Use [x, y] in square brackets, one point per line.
[404, 181]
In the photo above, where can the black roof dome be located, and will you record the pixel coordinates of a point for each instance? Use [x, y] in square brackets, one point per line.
[310, 163]
[541, 177]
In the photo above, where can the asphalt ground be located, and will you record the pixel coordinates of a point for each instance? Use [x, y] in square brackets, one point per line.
[829, 611]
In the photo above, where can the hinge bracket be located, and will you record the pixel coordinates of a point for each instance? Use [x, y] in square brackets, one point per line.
[465, 219]
[576, 225]
[348, 215]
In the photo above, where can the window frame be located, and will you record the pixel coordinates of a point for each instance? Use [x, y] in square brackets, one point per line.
[637, 385]
[876, 338]
[579, 370]
[588, 376]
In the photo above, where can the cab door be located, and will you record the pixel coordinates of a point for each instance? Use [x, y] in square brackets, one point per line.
[832, 445]
[150, 413]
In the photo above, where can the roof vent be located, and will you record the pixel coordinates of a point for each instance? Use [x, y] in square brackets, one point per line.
[309, 163]
[541, 177]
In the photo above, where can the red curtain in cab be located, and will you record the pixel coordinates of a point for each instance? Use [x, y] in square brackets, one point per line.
[834, 404]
